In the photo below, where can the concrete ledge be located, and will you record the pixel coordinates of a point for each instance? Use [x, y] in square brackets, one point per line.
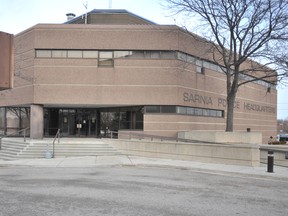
[223, 137]
[245, 155]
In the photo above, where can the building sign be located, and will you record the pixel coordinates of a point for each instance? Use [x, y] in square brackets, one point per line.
[6, 60]
[198, 99]
[195, 98]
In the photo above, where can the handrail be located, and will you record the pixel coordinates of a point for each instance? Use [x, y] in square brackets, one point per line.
[17, 132]
[56, 136]
[162, 138]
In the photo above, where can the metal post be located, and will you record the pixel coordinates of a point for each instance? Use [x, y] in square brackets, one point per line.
[270, 161]
[53, 153]
[25, 135]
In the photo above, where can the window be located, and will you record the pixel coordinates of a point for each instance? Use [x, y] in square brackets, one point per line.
[74, 53]
[168, 55]
[43, 53]
[190, 111]
[90, 54]
[181, 56]
[59, 53]
[122, 54]
[182, 110]
[152, 54]
[198, 111]
[152, 109]
[168, 109]
[199, 67]
[105, 59]
[220, 113]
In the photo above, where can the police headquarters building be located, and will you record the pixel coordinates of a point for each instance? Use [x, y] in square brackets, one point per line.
[116, 71]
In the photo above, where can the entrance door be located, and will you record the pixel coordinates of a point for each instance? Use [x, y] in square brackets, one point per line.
[86, 122]
[53, 123]
[82, 121]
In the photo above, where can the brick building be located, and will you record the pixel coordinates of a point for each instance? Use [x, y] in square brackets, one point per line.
[120, 72]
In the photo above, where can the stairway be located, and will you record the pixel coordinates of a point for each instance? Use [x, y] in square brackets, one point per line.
[11, 148]
[66, 148]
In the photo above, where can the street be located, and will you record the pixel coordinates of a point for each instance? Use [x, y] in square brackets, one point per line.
[129, 190]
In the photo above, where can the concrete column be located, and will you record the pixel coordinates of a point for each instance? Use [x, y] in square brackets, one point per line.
[36, 121]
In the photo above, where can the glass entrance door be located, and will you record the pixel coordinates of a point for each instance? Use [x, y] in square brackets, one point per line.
[86, 122]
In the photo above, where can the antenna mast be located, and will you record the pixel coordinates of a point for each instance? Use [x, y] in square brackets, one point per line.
[86, 6]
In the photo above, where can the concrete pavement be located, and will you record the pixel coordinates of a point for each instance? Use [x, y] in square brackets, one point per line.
[124, 160]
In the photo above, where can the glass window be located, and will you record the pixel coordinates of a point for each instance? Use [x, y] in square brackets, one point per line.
[199, 62]
[43, 53]
[200, 69]
[206, 112]
[182, 110]
[74, 53]
[122, 54]
[152, 109]
[168, 55]
[219, 113]
[154, 54]
[90, 54]
[198, 112]
[190, 111]
[181, 56]
[137, 54]
[213, 113]
[59, 53]
[105, 59]
[168, 109]
[190, 59]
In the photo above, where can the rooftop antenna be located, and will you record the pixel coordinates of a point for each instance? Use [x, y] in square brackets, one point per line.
[86, 6]
[110, 4]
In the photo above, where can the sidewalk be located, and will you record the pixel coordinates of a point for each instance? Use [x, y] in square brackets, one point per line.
[123, 160]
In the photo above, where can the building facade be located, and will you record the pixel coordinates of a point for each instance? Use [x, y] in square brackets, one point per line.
[124, 73]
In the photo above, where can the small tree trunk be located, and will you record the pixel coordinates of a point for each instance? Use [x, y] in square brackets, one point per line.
[230, 111]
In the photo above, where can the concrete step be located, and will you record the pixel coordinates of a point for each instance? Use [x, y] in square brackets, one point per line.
[11, 148]
[7, 156]
[67, 149]
[34, 149]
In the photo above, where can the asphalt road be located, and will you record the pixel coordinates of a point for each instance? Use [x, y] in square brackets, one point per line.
[137, 191]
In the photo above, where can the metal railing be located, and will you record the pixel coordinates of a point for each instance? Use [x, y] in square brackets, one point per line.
[13, 134]
[57, 136]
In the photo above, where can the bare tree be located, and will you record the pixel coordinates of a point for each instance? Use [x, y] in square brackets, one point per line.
[282, 125]
[242, 33]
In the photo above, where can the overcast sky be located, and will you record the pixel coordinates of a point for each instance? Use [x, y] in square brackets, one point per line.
[18, 15]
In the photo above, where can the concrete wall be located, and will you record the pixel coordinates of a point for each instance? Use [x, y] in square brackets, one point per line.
[223, 137]
[245, 155]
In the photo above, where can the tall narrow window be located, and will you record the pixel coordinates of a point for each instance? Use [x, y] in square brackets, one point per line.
[105, 59]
